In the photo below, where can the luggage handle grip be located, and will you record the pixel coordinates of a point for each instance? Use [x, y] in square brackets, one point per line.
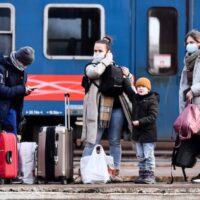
[9, 157]
[67, 114]
[67, 95]
[56, 148]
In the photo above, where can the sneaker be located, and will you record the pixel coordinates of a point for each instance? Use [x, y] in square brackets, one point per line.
[149, 180]
[139, 180]
[17, 180]
[196, 179]
[77, 180]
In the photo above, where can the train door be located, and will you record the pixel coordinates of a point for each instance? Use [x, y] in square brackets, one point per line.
[160, 28]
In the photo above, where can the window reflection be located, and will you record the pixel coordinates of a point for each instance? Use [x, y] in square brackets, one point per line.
[6, 32]
[162, 48]
[72, 30]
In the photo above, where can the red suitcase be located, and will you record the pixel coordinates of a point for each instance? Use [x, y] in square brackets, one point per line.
[8, 156]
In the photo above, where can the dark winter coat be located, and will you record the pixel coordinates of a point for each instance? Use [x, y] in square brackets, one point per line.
[12, 88]
[145, 110]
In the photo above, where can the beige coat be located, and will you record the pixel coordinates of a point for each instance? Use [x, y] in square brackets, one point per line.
[91, 104]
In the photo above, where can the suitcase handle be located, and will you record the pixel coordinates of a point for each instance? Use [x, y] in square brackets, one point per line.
[9, 157]
[56, 149]
[67, 111]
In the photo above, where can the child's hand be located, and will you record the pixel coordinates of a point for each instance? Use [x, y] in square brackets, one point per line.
[125, 71]
[135, 123]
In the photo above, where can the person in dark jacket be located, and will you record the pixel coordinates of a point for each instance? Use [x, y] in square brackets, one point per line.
[13, 87]
[145, 107]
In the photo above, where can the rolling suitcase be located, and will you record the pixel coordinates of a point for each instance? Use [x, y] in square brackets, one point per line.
[55, 151]
[8, 156]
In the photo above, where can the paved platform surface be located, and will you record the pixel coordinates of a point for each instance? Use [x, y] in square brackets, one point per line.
[163, 171]
[127, 190]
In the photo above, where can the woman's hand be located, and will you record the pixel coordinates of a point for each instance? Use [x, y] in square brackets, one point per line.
[189, 96]
[108, 60]
[135, 123]
[28, 90]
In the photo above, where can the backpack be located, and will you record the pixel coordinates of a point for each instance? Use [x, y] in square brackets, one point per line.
[184, 154]
[111, 81]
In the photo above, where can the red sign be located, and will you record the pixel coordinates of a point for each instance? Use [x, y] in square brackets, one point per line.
[52, 87]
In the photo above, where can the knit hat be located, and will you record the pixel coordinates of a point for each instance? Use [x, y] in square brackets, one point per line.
[145, 82]
[25, 55]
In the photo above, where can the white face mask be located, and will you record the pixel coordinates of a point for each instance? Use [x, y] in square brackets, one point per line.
[98, 56]
[191, 47]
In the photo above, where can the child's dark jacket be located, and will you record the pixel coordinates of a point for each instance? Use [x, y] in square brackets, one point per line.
[145, 109]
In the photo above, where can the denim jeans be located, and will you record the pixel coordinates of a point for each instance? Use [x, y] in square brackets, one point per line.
[10, 123]
[114, 135]
[145, 156]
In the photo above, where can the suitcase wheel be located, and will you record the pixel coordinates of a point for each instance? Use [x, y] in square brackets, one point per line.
[64, 181]
[2, 181]
[40, 181]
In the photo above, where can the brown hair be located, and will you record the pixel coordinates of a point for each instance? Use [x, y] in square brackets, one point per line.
[107, 40]
[194, 34]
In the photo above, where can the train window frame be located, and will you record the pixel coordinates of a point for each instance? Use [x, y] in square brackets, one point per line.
[45, 28]
[169, 57]
[11, 31]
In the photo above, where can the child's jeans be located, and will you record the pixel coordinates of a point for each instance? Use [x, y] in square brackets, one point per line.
[145, 156]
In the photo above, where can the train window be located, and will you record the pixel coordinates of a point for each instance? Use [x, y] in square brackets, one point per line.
[71, 30]
[6, 28]
[162, 48]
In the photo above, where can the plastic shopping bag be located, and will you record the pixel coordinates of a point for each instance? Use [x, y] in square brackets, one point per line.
[27, 161]
[94, 168]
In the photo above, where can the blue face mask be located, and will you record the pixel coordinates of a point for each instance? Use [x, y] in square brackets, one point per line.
[191, 47]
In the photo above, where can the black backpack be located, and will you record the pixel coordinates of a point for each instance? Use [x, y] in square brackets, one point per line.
[184, 154]
[111, 81]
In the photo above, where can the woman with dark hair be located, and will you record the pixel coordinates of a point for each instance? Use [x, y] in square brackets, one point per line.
[101, 112]
[189, 90]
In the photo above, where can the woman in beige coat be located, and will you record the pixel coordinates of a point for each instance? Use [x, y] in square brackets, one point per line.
[95, 121]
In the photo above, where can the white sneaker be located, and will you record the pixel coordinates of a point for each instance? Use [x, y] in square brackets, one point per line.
[196, 179]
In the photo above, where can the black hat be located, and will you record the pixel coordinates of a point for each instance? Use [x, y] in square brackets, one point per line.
[25, 55]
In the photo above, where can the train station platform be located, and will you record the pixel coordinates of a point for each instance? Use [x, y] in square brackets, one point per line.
[128, 190]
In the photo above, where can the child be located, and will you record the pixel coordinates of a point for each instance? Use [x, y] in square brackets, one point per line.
[144, 114]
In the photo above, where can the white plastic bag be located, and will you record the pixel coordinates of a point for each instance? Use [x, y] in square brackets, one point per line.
[27, 161]
[94, 168]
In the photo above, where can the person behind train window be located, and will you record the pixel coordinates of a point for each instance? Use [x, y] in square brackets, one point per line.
[12, 87]
[96, 119]
[145, 108]
[189, 90]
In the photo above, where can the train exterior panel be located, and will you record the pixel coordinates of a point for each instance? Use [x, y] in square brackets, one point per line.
[148, 37]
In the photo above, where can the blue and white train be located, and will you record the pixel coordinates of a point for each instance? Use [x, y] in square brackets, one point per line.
[148, 37]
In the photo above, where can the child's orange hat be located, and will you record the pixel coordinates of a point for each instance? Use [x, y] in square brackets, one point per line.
[145, 82]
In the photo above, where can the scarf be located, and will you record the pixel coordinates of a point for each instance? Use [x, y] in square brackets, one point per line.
[105, 110]
[190, 60]
[189, 63]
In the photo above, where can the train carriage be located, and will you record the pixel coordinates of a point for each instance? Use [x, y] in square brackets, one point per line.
[148, 38]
